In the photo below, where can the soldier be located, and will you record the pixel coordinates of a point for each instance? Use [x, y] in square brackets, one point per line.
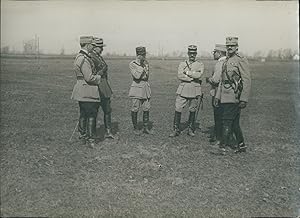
[233, 93]
[189, 89]
[140, 91]
[86, 91]
[101, 69]
[219, 55]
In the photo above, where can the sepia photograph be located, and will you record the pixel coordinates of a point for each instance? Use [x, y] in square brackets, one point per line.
[150, 108]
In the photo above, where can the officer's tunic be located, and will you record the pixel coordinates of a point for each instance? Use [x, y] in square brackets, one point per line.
[104, 87]
[86, 87]
[140, 87]
[190, 86]
[236, 67]
[216, 76]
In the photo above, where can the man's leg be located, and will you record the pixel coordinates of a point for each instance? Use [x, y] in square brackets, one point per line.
[91, 123]
[179, 105]
[106, 107]
[146, 109]
[192, 116]
[82, 123]
[134, 114]
[218, 123]
[239, 134]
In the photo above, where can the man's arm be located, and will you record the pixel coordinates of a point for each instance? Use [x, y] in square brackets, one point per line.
[182, 69]
[246, 79]
[87, 72]
[196, 74]
[136, 72]
[215, 78]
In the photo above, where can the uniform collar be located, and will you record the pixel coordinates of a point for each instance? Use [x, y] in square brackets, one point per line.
[84, 52]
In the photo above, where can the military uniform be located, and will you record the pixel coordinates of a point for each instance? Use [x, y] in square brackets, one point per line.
[86, 92]
[233, 93]
[140, 91]
[214, 82]
[105, 91]
[189, 89]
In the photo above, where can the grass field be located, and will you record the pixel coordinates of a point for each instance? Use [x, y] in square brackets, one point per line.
[43, 174]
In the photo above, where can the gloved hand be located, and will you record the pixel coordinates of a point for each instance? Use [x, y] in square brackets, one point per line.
[242, 104]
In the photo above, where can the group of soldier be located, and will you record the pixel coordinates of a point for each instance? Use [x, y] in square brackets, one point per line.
[230, 82]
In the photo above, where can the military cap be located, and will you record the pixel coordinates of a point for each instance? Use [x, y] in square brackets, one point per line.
[232, 41]
[192, 49]
[98, 42]
[85, 39]
[220, 47]
[140, 50]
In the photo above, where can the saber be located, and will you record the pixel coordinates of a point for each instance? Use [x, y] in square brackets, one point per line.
[74, 131]
[199, 105]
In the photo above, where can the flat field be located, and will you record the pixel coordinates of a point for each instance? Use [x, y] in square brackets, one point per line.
[43, 174]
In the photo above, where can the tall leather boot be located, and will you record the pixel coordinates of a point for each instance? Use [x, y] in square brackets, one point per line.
[91, 130]
[176, 123]
[107, 124]
[82, 129]
[146, 123]
[191, 128]
[134, 122]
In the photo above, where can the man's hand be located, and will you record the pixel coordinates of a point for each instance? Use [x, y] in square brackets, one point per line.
[242, 104]
[216, 102]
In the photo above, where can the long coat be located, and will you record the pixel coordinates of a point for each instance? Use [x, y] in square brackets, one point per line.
[101, 69]
[140, 87]
[190, 86]
[86, 87]
[235, 68]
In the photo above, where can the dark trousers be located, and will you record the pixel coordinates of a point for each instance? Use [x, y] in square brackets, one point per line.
[231, 122]
[217, 120]
[87, 118]
[105, 105]
[106, 108]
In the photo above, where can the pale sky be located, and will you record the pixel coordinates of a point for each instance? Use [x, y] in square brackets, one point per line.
[168, 25]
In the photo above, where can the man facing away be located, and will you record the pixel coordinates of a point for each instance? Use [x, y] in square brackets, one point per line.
[86, 91]
[101, 69]
[219, 54]
[232, 94]
[140, 91]
[189, 89]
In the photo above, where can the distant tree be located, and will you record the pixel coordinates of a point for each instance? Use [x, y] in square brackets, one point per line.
[5, 50]
[62, 51]
[287, 54]
[257, 54]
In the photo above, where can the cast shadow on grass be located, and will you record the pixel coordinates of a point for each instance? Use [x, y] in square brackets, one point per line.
[100, 132]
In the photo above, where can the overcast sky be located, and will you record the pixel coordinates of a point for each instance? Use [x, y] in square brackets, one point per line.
[167, 25]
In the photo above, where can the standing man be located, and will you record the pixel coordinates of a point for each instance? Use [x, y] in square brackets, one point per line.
[189, 89]
[140, 91]
[219, 55]
[101, 69]
[86, 91]
[233, 93]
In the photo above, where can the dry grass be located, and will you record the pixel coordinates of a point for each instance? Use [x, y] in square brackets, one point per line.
[42, 174]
